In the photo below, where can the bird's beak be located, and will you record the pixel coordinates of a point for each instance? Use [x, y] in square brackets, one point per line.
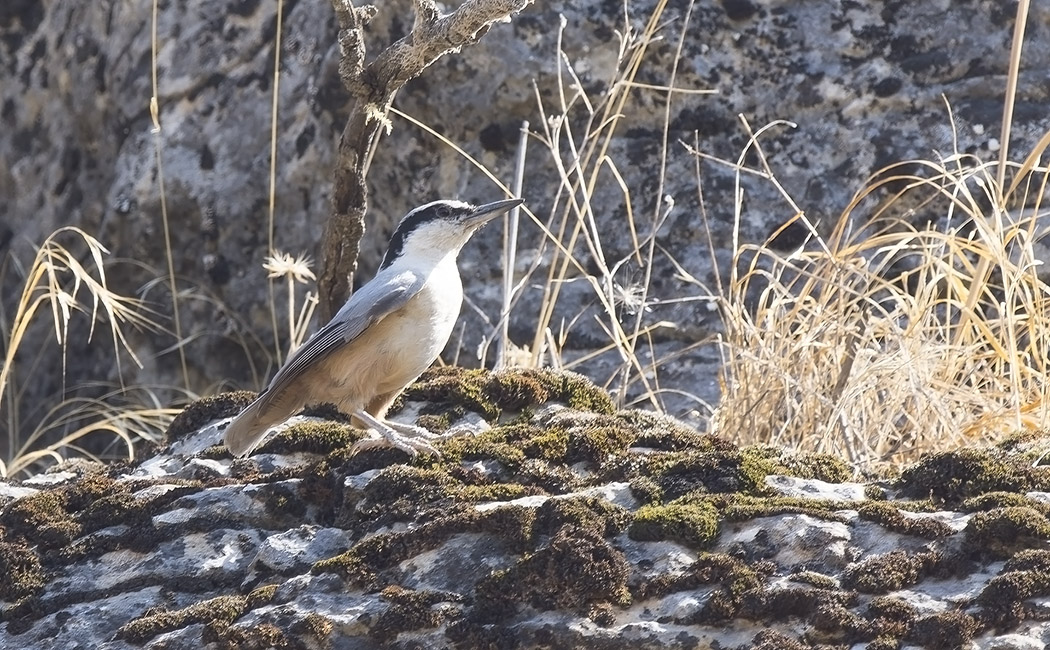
[485, 213]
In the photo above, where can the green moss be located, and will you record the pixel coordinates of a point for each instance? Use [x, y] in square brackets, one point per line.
[409, 610]
[574, 571]
[41, 519]
[664, 433]
[592, 514]
[814, 579]
[695, 525]
[772, 640]
[888, 572]
[884, 643]
[891, 618]
[1004, 531]
[494, 492]
[839, 623]
[716, 472]
[363, 563]
[944, 631]
[206, 410]
[490, 394]
[603, 614]
[737, 580]
[400, 492]
[735, 507]
[21, 571]
[993, 500]
[874, 492]
[822, 467]
[1002, 599]
[312, 436]
[954, 476]
[1029, 560]
[314, 626]
[646, 490]
[493, 444]
[220, 612]
[887, 515]
[262, 636]
[596, 438]
[551, 444]
[781, 604]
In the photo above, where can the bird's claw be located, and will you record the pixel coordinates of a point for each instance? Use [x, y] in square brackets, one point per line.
[383, 439]
[410, 439]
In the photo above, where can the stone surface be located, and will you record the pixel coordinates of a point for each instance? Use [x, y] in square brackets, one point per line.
[862, 81]
[561, 526]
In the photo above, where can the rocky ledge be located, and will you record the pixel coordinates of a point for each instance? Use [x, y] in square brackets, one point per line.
[564, 524]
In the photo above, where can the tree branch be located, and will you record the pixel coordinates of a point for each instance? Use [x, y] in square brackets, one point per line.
[372, 87]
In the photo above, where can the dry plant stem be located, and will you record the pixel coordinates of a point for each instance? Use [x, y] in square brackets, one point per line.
[372, 86]
[510, 247]
[658, 218]
[1011, 89]
[272, 204]
[154, 109]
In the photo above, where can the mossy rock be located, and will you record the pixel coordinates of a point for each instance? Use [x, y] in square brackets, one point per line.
[692, 524]
[21, 571]
[954, 476]
[889, 515]
[881, 574]
[1003, 531]
[206, 410]
[574, 571]
[493, 393]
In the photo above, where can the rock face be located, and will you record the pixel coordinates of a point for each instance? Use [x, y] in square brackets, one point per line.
[566, 524]
[863, 81]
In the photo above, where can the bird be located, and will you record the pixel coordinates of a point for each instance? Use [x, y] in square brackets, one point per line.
[383, 337]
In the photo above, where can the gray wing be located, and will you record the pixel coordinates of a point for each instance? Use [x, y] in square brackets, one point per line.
[369, 305]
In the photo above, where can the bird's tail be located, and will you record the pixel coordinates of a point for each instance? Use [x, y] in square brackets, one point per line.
[249, 428]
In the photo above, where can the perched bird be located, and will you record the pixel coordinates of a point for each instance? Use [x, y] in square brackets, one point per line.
[383, 338]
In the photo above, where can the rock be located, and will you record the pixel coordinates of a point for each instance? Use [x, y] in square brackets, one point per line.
[525, 535]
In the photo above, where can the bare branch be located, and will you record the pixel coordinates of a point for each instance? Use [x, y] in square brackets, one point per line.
[372, 87]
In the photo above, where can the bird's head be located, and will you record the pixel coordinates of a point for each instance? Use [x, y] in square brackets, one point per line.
[440, 228]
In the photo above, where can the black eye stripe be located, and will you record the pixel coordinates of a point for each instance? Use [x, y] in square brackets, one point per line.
[412, 221]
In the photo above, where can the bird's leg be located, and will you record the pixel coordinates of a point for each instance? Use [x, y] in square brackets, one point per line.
[410, 440]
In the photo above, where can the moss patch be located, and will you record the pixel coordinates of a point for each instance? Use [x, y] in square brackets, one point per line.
[891, 571]
[944, 631]
[574, 571]
[1003, 531]
[313, 437]
[493, 393]
[208, 409]
[888, 515]
[695, 524]
[410, 610]
[21, 571]
[218, 612]
[955, 476]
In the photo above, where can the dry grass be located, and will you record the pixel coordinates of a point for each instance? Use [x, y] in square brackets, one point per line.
[57, 281]
[886, 340]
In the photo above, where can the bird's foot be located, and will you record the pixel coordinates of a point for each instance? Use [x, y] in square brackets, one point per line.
[387, 437]
[408, 438]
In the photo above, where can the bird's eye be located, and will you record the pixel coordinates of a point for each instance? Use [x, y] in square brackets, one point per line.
[443, 212]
